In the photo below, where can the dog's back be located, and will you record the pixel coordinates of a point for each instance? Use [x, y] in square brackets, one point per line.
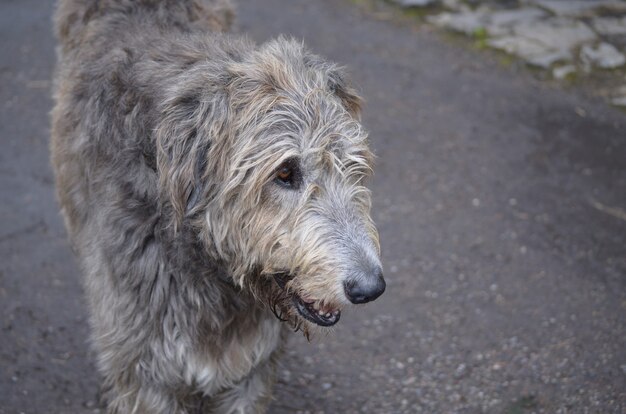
[82, 21]
[111, 53]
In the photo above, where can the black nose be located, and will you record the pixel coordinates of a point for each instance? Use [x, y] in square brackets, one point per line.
[365, 288]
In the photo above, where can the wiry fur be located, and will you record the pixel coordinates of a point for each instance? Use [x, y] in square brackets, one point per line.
[166, 137]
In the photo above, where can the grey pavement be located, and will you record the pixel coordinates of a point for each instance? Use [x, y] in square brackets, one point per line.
[501, 203]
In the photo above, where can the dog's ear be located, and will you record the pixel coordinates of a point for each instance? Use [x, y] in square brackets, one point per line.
[183, 141]
[347, 94]
[197, 186]
[337, 82]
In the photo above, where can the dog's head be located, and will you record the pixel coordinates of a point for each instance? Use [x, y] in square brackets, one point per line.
[270, 166]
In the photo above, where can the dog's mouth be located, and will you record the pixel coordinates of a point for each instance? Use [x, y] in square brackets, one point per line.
[312, 310]
[315, 312]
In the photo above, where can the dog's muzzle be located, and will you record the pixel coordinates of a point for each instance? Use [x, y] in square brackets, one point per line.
[311, 310]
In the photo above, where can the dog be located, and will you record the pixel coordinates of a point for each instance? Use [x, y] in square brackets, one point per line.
[215, 194]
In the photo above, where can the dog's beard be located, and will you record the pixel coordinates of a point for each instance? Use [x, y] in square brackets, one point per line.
[272, 292]
[278, 292]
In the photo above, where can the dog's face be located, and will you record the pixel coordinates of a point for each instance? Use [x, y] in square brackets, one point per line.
[302, 159]
[287, 209]
[324, 249]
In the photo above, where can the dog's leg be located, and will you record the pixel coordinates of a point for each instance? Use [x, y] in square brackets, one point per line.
[145, 400]
[251, 395]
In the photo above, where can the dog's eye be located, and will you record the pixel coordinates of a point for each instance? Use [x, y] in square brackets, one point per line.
[284, 174]
[288, 174]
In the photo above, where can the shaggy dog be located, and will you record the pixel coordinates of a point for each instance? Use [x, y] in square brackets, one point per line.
[214, 193]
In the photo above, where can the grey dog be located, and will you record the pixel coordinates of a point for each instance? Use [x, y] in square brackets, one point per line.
[214, 191]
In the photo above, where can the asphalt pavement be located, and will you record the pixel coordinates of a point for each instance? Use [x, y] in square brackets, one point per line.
[500, 200]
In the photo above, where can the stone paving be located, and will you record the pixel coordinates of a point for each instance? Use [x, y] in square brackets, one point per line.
[569, 38]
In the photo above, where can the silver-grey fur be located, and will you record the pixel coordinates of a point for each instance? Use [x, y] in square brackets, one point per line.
[167, 136]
